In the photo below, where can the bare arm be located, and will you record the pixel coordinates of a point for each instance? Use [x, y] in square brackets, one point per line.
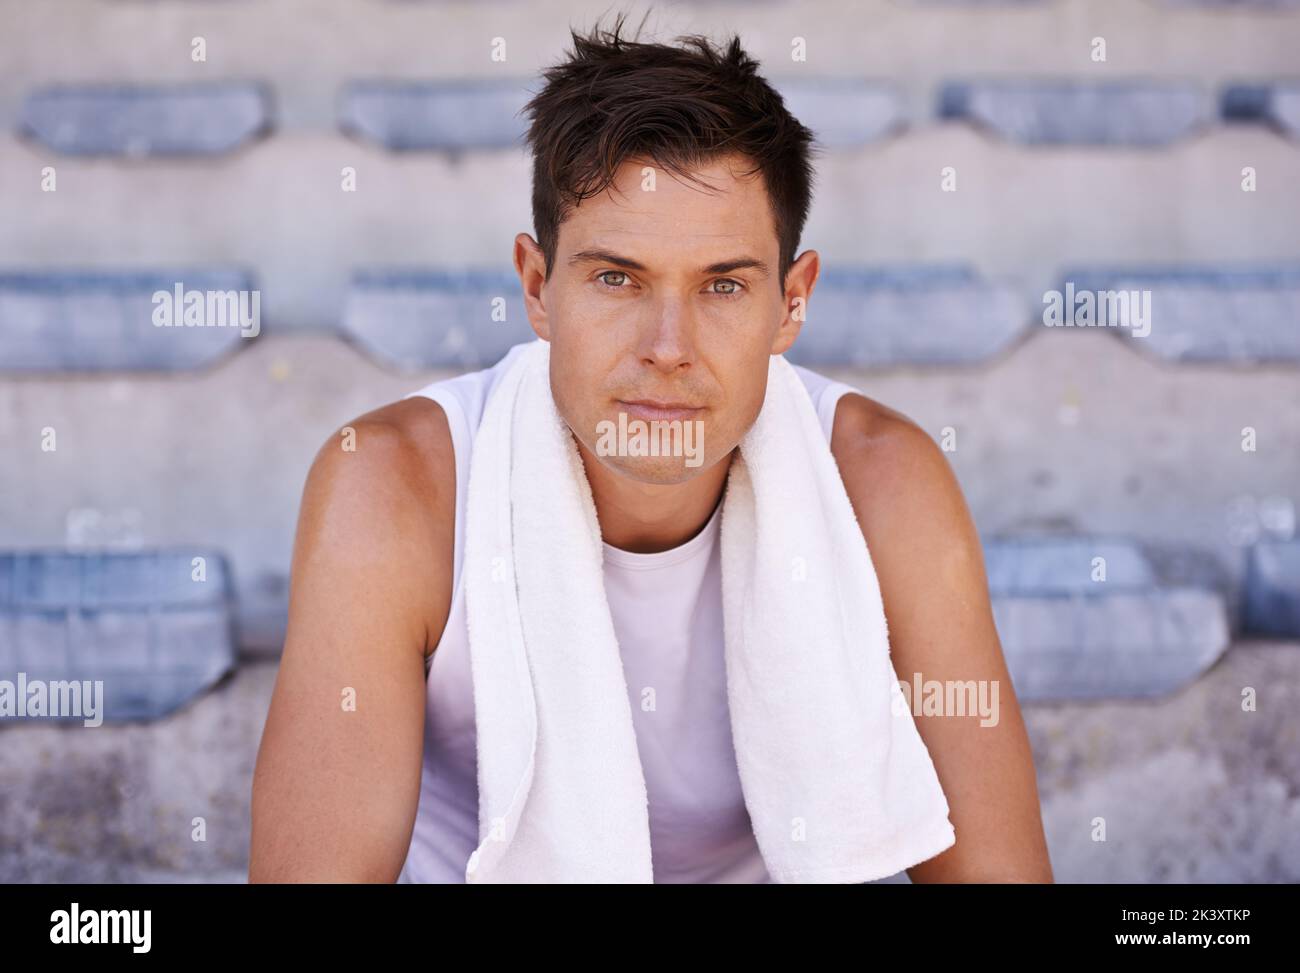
[337, 779]
[928, 559]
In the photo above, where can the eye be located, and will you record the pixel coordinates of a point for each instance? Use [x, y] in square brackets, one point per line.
[620, 276]
[730, 287]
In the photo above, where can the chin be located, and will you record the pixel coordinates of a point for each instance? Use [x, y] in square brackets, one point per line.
[653, 469]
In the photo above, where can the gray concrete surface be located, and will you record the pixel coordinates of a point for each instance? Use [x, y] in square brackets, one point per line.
[1192, 789]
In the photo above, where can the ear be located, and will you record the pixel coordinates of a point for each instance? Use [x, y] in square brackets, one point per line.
[800, 280]
[530, 265]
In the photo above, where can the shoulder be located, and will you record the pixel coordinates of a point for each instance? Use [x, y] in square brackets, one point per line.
[871, 440]
[903, 490]
[394, 459]
[378, 510]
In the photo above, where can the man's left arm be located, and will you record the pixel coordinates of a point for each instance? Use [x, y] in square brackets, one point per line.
[930, 566]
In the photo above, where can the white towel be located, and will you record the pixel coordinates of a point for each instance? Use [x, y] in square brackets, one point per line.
[837, 781]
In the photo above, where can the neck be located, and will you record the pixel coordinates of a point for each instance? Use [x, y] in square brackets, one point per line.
[646, 518]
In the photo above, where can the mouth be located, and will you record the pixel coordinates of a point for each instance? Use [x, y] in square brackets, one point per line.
[664, 411]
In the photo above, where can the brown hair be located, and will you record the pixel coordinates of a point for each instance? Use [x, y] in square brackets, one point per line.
[613, 99]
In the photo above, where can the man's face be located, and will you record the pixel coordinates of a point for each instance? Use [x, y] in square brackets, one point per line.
[666, 295]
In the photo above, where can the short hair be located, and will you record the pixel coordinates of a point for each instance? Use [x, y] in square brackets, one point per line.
[615, 99]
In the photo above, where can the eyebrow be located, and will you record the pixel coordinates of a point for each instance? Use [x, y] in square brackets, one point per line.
[722, 267]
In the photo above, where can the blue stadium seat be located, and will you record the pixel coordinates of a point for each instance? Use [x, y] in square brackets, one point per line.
[147, 120]
[1272, 597]
[98, 320]
[152, 626]
[844, 113]
[438, 115]
[911, 314]
[1066, 636]
[415, 319]
[1227, 314]
[1274, 103]
[1064, 565]
[1060, 112]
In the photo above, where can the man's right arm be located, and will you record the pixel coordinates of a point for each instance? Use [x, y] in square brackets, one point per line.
[337, 780]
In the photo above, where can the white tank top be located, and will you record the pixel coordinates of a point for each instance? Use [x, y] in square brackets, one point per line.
[667, 614]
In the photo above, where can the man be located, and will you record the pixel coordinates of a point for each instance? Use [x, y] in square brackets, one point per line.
[670, 189]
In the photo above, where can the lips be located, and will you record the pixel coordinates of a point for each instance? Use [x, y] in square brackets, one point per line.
[665, 411]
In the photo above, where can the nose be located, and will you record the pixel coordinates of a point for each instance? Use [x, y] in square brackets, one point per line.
[669, 343]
